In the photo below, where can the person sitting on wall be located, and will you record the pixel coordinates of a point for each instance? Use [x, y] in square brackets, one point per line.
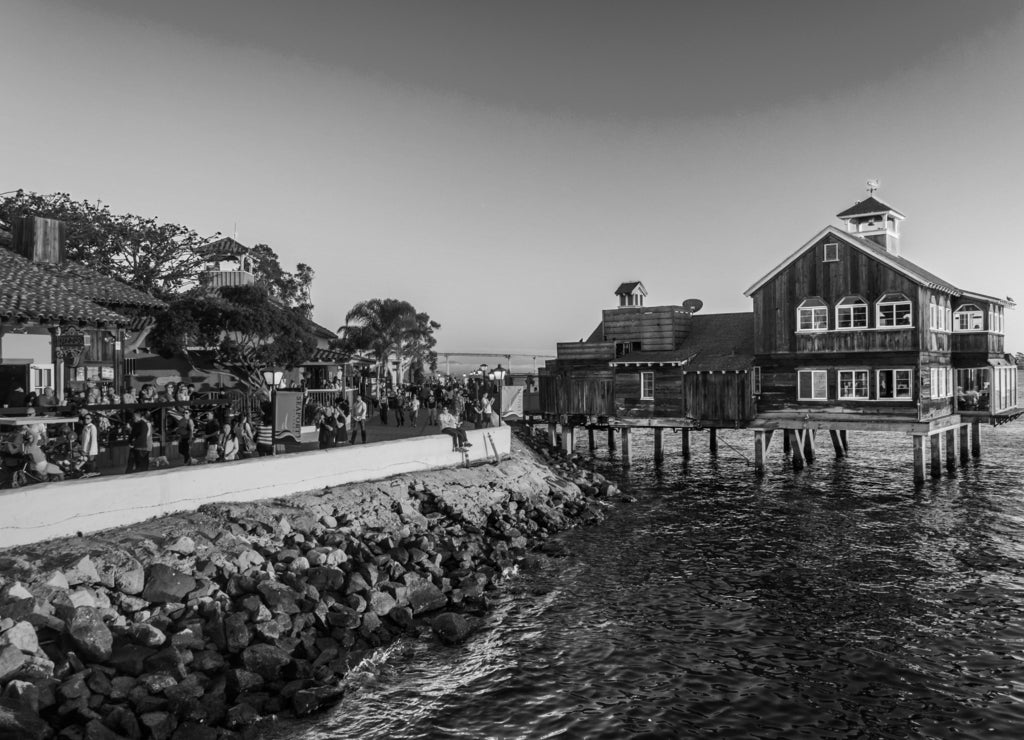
[451, 426]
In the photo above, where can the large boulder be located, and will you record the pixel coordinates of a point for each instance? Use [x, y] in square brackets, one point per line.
[18, 722]
[451, 628]
[307, 701]
[425, 597]
[119, 570]
[165, 584]
[22, 636]
[11, 661]
[90, 635]
[265, 660]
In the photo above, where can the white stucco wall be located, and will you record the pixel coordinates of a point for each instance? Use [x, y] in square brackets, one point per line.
[47, 510]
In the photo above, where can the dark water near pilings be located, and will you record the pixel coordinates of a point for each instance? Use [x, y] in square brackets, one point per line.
[840, 602]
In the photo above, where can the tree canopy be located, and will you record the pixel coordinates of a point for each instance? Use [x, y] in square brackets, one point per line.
[239, 330]
[386, 327]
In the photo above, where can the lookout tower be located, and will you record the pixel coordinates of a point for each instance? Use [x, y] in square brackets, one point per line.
[227, 263]
[874, 220]
[631, 294]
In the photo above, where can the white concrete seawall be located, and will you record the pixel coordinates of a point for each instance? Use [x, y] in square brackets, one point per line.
[48, 510]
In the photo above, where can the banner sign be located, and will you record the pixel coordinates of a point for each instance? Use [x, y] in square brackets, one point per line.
[288, 414]
[512, 401]
[70, 343]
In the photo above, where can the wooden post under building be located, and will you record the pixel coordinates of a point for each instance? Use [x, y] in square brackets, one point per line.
[611, 439]
[659, 442]
[627, 450]
[686, 444]
[713, 440]
[590, 438]
[965, 444]
[919, 458]
[951, 455]
[762, 443]
[975, 438]
[552, 434]
[935, 441]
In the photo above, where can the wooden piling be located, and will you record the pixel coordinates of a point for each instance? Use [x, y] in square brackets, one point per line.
[935, 441]
[611, 439]
[590, 438]
[568, 438]
[951, 449]
[965, 444]
[919, 458]
[713, 440]
[787, 447]
[837, 443]
[686, 444]
[762, 443]
[552, 434]
[975, 438]
[797, 445]
[809, 450]
[659, 449]
[845, 442]
[627, 451]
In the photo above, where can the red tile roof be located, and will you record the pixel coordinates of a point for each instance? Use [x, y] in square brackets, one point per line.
[29, 292]
[100, 288]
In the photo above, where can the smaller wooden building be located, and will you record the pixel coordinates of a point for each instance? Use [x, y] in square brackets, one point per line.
[653, 366]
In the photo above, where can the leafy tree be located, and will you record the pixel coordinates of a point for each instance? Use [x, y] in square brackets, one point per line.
[239, 331]
[389, 327]
[159, 258]
[291, 288]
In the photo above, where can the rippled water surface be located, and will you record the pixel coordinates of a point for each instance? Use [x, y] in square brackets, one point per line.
[835, 603]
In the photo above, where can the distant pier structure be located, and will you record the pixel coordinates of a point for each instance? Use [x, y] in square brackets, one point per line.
[846, 335]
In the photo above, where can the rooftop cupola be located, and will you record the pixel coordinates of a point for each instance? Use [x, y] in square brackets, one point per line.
[631, 294]
[227, 263]
[872, 219]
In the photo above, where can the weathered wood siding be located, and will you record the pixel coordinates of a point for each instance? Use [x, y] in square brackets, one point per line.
[976, 347]
[655, 327]
[576, 389]
[585, 351]
[718, 397]
[668, 393]
[855, 273]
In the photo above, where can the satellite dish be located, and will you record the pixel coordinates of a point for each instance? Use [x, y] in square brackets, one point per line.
[693, 305]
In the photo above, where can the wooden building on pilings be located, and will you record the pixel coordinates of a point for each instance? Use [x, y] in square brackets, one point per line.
[846, 334]
[658, 367]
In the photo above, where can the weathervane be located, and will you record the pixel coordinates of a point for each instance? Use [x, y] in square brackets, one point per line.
[872, 186]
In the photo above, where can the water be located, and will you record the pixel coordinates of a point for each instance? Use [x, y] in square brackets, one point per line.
[835, 603]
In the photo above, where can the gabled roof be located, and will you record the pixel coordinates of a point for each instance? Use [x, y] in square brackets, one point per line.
[223, 249]
[900, 264]
[29, 292]
[716, 341]
[868, 207]
[628, 288]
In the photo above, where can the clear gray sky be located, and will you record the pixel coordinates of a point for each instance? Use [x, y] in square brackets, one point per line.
[503, 166]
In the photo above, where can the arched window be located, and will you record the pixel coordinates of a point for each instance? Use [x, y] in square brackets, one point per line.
[968, 317]
[852, 313]
[812, 315]
[894, 309]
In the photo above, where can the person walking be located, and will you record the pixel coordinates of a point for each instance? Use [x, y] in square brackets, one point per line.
[265, 437]
[382, 401]
[90, 442]
[344, 419]
[227, 445]
[141, 443]
[432, 407]
[395, 404]
[186, 432]
[359, 419]
[414, 408]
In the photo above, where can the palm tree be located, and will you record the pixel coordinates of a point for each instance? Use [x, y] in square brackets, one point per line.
[385, 326]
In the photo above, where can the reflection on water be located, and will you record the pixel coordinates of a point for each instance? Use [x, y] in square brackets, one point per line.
[840, 602]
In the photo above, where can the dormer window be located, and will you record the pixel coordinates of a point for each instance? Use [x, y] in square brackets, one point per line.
[894, 309]
[968, 317]
[852, 313]
[831, 252]
[812, 315]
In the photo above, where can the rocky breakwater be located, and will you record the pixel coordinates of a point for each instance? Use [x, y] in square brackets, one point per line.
[196, 626]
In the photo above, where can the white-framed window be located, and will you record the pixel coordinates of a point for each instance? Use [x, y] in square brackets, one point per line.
[831, 252]
[812, 385]
[646, 386]
[852, 313]
[897, 384]
[968, 317]
[940, 317]
[995, 319]
[894, 309]
[40, 377]
[812, 315]
[853, 384]
[755, 380]
[941, 382]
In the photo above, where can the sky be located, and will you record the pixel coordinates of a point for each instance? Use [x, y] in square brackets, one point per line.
[504, 166]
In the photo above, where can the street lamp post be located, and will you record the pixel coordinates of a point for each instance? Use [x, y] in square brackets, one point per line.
[498, 376]
[273, 379]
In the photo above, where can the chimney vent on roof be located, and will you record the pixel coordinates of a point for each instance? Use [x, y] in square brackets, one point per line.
[39, 239]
